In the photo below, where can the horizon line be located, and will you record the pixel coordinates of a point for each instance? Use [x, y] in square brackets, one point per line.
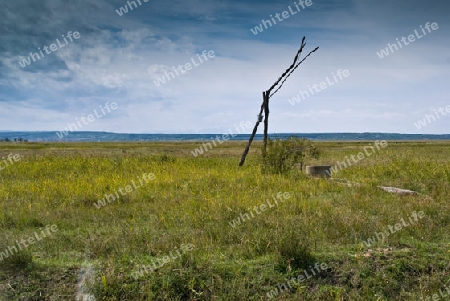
[162, 133]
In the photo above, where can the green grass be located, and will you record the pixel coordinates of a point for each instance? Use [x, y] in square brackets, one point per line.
[192, 200]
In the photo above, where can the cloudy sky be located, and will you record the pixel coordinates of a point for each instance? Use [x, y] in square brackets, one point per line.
[118, 58]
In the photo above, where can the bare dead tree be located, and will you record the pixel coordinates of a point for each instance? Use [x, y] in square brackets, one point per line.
[268, 94]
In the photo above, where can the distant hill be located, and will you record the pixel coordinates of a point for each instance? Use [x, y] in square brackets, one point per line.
[110, 137]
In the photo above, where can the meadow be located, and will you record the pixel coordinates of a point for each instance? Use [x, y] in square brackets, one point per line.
[170, 236]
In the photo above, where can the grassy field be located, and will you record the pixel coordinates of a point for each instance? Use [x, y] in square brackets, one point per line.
[175, 233]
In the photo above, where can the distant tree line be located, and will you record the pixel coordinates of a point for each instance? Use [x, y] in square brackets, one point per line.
[15, 140]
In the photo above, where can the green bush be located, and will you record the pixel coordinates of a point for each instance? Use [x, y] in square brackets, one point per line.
[282, 155]
[17, 260]
[293, 248]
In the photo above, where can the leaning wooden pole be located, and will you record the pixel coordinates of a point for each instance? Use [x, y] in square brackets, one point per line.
[255, 129]
[266, 120]
[267, 95]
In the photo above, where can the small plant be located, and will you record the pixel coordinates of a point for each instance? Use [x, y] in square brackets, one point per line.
[294, 253]
[282, 155]
[19, 260]
[293, 247]
[164, 158]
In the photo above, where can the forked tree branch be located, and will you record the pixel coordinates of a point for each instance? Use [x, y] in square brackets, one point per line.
[290, 67]
[292, 71]
[267, 94]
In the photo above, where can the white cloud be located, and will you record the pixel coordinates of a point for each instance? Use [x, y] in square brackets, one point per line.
[118, 58]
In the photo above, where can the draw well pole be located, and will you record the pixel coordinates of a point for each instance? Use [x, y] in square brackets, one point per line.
[267, 95]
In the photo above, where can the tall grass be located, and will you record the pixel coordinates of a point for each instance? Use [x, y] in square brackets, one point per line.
[192, 200]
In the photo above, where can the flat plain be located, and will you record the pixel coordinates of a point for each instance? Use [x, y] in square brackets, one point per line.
[186, 223]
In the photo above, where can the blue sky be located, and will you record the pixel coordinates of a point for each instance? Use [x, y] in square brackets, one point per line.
[118, 58]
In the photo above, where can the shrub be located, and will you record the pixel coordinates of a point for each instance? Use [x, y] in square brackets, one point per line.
[294, 251]
[282, 155]
[17, 260]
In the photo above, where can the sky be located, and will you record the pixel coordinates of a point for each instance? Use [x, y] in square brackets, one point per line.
[122, 57]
